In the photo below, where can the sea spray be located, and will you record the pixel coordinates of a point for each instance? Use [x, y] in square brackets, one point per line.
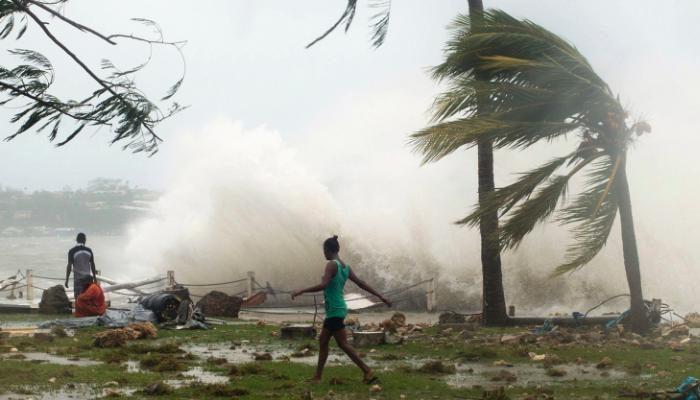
[246, 200]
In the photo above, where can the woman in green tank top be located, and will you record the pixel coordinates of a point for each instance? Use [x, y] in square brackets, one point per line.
[332, 285]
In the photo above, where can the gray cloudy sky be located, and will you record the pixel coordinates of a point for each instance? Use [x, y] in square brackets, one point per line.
[246, 61]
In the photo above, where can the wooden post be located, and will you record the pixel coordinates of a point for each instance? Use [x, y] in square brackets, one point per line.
[12, 296]
[30, 285]
[431, 295]
[171, 278]
[251, 279]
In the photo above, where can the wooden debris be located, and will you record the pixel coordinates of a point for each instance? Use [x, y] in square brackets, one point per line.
[298, 331]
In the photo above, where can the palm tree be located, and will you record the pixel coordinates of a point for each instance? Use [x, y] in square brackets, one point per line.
[493, 307]
[539, 88]
[493, 298]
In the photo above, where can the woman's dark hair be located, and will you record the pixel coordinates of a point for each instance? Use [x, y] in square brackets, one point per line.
[331, 245]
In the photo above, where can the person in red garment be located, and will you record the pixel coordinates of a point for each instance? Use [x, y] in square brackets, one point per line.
[335, 275]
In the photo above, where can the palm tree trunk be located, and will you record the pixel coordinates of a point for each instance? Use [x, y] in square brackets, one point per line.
[494, 304]
[637, 320]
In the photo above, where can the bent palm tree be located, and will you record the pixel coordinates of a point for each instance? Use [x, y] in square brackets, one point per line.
[539, 87]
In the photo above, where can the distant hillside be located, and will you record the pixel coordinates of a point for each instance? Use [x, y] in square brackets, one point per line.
[106, 206]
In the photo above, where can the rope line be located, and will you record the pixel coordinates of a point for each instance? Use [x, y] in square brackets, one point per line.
[47, 278]
[10, 289]
[392, 292]
[254, 311]
[213, 284]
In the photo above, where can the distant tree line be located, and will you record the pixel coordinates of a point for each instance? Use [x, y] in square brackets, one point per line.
[104, 207]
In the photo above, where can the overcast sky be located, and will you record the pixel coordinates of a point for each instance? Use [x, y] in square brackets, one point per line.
[246, 62]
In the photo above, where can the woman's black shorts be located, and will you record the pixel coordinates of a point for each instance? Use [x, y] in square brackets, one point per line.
[334, 323]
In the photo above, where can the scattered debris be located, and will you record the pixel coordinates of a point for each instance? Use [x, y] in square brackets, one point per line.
[399, 319]
[497, 394]
[303, 351]
[388, 357]
[216, 360]
[555, 372]
[502, 363]
[157, 389]
[392, 338]
[451, 317]
[437, 367]
[297, 331]
[54, 301]
[605, 363]
[693, 320]
[676, 331]
[364, 339]
[352, 322]
[255, 299]
[58, 331]
[689, 389]
[118, 337]
[163, 305]
[219, 304]
[504, 376]
[43, 337]
[375, 389]
[262, 356]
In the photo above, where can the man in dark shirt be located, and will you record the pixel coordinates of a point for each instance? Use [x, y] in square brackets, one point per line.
[82, 262]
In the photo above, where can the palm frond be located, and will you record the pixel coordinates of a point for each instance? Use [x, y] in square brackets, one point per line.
[504, 199]
[380, 21]
[440, 140]
[347, 16]
[593, 218]
[534, 210]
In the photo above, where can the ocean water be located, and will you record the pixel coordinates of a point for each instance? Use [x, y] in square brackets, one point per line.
[47, 256]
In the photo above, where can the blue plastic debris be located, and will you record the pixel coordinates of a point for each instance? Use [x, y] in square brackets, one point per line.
[616, 321]
[545, 328]
[690, 388]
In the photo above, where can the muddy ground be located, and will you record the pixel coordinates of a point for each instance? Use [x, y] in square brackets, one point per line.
[248, 360]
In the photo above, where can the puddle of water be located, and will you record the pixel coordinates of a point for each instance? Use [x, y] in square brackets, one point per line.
[80, 391]
[133, 367]
[197, 374]
[53, 359]
[243, 354]
[471, 374]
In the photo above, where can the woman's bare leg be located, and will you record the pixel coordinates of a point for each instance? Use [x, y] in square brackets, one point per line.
[323, 342]
[341, 338]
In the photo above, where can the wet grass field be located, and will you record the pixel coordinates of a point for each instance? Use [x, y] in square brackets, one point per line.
[431, 363]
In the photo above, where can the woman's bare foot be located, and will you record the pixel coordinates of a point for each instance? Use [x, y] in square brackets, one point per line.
[370, 378]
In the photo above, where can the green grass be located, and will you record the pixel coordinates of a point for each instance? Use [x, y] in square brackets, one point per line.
[265, 380]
